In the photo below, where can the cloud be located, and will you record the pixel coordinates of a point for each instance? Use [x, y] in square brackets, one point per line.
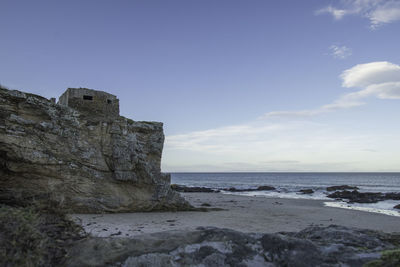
[296, 144]
[377, 79]
[378, 12]
[363, 75]
[340, 52]
[336, 13]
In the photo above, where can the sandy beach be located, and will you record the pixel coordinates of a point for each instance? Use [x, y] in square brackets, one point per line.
[242, 213]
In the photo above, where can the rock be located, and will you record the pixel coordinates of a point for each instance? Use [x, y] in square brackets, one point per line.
[367, 197]
[340, 187]
[314, 246]
[87, 158]
[194, 189]
[397, 207]
[355, 196]
[306, 191]
[265, 188]
[393, 196]
[260, 188]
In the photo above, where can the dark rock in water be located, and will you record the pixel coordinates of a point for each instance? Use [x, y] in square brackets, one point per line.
[367, 197]
[340, 187]
[355, 196]
[397, 207]
[265, 188]
[393, 196]
[314, 246]
[306, 191]
[82, 154]
[194, 189]
[260, 188]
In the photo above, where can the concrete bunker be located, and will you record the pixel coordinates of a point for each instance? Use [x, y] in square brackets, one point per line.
[91, 102]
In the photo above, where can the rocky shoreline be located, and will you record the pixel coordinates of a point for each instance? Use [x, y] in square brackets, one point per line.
[340, 192]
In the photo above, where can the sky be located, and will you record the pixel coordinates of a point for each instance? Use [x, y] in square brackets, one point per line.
[240, 85]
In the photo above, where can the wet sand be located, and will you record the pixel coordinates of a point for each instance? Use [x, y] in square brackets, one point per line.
[242, 213]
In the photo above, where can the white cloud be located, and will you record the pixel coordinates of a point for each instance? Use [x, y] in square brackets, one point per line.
[387, 13]
[336, 13]
[363, 75]
[377, 79]
[340, 52]
[378, 12]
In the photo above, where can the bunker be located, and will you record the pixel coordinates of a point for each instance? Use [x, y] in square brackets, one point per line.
[91, 102]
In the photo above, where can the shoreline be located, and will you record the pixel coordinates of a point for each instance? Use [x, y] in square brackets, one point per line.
[242, 213]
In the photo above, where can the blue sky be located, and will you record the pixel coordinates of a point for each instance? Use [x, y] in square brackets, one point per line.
[240, 85]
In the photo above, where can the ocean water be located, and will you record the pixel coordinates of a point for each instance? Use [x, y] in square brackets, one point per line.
[288, 185]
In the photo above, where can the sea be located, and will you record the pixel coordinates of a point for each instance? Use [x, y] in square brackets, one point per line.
[288, 185]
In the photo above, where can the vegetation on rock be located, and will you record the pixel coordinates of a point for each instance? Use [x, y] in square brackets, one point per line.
[35, 235]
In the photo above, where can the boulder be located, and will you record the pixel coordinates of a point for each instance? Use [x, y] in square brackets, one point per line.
[89, 163]
[397, 207]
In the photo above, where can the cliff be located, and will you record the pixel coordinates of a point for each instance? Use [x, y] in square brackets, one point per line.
[86, 162]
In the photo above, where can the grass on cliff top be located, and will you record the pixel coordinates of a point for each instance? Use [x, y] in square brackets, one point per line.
[35, 235]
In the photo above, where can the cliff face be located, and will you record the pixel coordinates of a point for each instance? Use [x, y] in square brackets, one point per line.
[88, 163]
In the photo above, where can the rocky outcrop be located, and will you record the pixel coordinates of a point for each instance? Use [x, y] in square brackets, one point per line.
[193, 189]
[314, 246]
[340, 187]
[363, 197]
[260, 188]
[88, 163]
[306, 191]
[196, 189]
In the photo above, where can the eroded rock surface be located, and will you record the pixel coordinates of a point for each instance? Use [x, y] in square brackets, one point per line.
[314, 246]
[87, 162]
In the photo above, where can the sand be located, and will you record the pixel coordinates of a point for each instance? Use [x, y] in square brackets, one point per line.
[242, 213]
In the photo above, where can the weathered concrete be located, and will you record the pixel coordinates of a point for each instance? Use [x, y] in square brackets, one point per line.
[89, 163]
